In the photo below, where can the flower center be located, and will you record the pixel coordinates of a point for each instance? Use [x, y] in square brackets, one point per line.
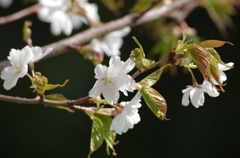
[107, 80]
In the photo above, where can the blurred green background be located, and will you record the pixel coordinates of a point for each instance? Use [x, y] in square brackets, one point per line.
[27, 131]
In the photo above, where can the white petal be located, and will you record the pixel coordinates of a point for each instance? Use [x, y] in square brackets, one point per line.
[97, 88]
[115, 124]
[126, 82]
[110, 93]
[76, 20]
[57, 23]
[121, 33]
[185, 98]
[195, 96]
[114, 60]
[45, 14]
[96, 45]
[10, 77]
[37, 53]
[207, 87]
[92, 11]
[23, 71]
[136, 100]
[25, 56]
[51, 3]
[213, 80]
[223, 76]
[100, 71]
[135, 117]
[55, 27]
[201, 99]
[223, 67]
[128, 65]
[66, 25]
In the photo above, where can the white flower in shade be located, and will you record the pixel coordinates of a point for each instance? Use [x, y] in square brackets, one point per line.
[59, 13]
[5, 3]
[128, 117]
[111, 42]
[19, 60]
[197, 94]
[223, 76]
[112, 79]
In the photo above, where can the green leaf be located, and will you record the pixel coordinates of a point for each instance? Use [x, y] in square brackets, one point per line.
[146, 62]
[155, 102]
[53, 86]
[151, 79]
[141, 51]
[55, 97]
[97, 135]
[60, 98]
[199, 56]
[138, 56]
[212, 43]
[107, 121]
[101, 131]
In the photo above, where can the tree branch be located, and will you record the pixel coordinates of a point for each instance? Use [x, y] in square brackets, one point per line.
[37, 100]
[72, 104]
[20, 14]
[62, 46]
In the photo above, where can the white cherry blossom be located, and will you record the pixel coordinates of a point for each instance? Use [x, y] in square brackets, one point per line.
[111, 42]
[5, 3]
[196, 94]
[19, 60]
[112, 79]
[128, 117]
[59, 13]
[223, 76]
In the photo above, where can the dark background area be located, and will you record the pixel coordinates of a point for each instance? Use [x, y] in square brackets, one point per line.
[27, 131]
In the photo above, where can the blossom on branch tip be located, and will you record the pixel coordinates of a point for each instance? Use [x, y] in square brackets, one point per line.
[111, 42]
[223, 76]
[61, 15]
[196, 93]
[112, 79]
[19, 60]
[128, 117]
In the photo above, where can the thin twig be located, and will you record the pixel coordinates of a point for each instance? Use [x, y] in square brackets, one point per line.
[18, 15]
[72, 104]
[66, 103]
[139, 71]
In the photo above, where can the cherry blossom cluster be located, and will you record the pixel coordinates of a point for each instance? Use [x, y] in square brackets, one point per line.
[66, 15]
[19, 60]
[196, 92]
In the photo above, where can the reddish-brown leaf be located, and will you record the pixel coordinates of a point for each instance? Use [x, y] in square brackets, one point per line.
[200, 57]
[212, 43]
